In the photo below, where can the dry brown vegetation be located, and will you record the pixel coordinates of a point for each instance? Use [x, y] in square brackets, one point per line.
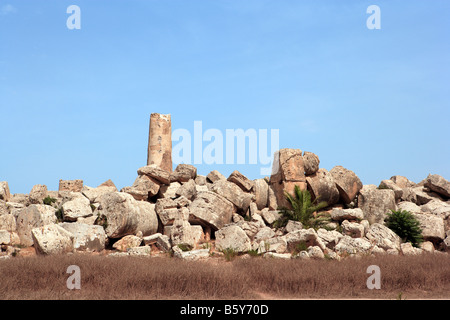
[424, 276]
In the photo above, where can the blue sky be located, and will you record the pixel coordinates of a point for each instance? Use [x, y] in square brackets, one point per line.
[75, 104]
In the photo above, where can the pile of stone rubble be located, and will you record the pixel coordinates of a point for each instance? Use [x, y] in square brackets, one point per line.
[192, 216]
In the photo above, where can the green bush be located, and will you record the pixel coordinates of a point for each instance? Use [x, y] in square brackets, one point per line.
[229, 254]
[253, 253]
[299, 247]
[59, 215]
[184, 247]
[405, 226]
[49, 200]
[302, 210]
[101, 221]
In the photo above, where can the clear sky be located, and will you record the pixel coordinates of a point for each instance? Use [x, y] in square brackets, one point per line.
[75, 104]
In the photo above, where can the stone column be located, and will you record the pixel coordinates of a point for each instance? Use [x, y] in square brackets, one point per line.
[287, 172]
[160, 141]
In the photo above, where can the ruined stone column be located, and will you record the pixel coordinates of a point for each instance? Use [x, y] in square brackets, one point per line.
[287, 172]
[160, 141]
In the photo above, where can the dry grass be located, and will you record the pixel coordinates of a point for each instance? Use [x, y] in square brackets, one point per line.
[425, 276]
[422, 276]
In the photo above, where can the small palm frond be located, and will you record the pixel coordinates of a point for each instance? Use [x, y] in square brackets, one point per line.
[302, 210]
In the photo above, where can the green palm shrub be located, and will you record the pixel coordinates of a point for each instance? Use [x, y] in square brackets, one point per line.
[405, 226]
[303, 209]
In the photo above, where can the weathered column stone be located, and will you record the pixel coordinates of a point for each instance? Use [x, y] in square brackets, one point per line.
[160, 141]
[5, 194]
[323, 187]
[287, 172]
